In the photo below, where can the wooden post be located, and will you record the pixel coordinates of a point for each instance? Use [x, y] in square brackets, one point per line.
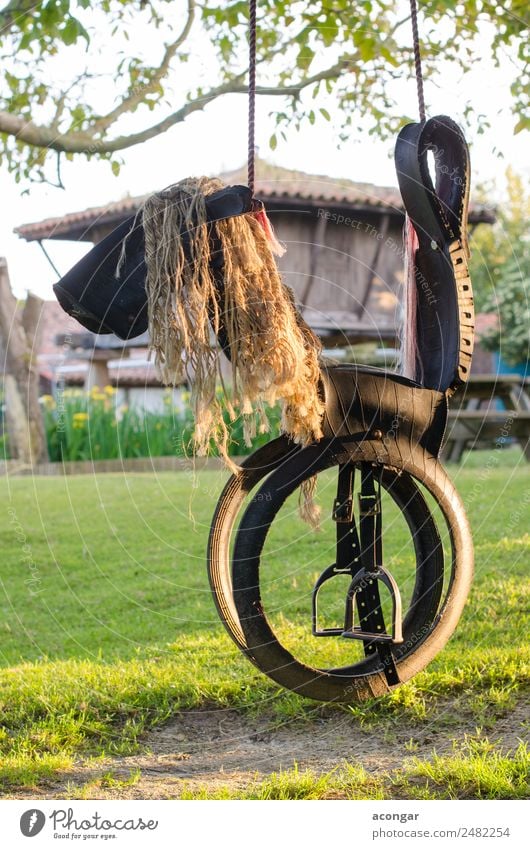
[98, 371]
[20, 332]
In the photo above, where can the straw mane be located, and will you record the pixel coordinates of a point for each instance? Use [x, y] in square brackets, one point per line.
[274, 354]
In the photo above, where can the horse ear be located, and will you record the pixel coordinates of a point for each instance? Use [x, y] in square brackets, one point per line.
[439, 332]
[229, 203]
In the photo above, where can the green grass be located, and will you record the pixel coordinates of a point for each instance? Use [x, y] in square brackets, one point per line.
[477, 771]
[108, 628]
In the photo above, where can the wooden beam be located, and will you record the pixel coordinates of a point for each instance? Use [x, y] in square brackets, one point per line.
[316, 247]
[372, 270]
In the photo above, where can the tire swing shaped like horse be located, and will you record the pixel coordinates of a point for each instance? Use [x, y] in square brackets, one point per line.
[378, 432]
[388, 429]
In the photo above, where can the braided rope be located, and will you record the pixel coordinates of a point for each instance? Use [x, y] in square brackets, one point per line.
[417, 59]
[251, 94]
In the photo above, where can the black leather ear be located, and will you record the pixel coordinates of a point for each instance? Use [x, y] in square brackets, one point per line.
[444, 139]
[105, 300]
[439, 214]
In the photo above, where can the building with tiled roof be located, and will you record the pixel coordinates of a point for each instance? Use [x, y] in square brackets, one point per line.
[281, 188]
[344, 260]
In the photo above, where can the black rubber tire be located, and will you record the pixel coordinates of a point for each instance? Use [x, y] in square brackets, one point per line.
[430, 621]
[253, 469]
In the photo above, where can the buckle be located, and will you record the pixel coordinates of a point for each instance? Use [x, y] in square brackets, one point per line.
[369, 505]
[342, 510]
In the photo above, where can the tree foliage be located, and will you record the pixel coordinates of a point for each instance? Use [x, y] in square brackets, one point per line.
[74, 72]
[496, 247]
[511, 304]
[500, 271]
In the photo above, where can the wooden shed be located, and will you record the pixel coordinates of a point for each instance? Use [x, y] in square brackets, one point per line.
[344, 256]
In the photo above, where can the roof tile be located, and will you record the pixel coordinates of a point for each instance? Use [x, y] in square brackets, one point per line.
[274, 184]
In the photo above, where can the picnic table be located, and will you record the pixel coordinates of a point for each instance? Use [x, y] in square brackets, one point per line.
[476, 416]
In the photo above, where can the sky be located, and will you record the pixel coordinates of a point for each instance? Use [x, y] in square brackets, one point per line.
[215, 140]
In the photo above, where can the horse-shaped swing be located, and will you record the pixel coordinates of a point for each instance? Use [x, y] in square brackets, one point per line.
[200, 256]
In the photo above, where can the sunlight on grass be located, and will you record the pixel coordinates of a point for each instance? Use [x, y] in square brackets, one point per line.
[19, 770]
[99, 787]
[345, 782]
[477, 771]
[108, 627]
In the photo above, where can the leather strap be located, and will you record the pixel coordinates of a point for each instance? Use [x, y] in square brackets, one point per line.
[348, 548]
[368, 598]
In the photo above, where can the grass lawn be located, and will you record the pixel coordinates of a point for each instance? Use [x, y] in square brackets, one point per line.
[108, 629]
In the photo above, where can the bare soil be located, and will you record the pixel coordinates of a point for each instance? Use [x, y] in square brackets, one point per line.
[223, 748]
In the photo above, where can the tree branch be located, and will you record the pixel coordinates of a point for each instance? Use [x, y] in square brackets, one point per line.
[89, 141]
[14, 10]
[137, 96]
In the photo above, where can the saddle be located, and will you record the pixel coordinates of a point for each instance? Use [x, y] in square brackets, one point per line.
[363, 402]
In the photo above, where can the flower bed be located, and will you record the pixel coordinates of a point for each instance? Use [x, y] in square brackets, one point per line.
[92, 426]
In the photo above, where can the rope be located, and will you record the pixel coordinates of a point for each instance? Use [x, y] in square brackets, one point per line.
[417, 59]
[48, 257]
[251, 94]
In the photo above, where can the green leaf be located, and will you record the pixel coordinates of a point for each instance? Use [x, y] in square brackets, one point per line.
[273, 142]
[325, 114]
[389, 56]
[329, 31]
[115, 167]
[522, 124]
[367, 49]
[26, 40]
[70, 32]
[305, 58]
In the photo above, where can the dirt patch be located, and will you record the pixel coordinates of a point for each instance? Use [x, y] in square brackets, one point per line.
[216, 748]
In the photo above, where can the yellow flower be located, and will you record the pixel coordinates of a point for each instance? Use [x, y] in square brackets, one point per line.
[80, 417]
[109, 390]
[95, 390]
[48, 401]
[185, 396]
[158, 426]
[98, 396]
